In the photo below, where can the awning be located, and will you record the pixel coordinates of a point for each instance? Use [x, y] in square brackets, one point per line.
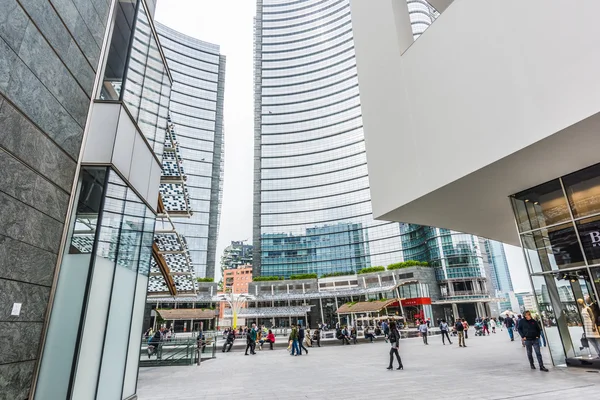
[186, 314]
[366, 306]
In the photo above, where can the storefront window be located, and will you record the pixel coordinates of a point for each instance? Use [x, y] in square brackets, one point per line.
[553, 248]
[564, 260]
[589, 234]
[583, 191]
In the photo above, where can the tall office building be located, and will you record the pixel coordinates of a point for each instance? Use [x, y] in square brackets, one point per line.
[196, 110]
[312, 206]
[499, 266]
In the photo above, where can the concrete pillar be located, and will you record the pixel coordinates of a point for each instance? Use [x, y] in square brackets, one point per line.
[455, 310]
[321, 306]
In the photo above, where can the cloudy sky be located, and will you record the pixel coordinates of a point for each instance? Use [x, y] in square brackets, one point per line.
[229, 23]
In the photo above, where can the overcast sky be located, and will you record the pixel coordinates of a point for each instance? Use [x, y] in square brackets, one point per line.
[229, 23]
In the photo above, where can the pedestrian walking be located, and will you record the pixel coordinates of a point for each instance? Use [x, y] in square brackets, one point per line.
[301, 340]
[444, 328]
[466, 328]
[386, 330]
[294, 340]
[250, 340]
[423, 332]
[229, 341]
[510, 324]
[394, 338]
[460, 330]
[530, 331]
[486, 328]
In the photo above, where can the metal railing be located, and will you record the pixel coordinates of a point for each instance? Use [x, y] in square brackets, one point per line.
[185, 351]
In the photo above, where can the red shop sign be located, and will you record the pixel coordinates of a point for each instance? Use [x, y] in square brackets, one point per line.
[416, 301]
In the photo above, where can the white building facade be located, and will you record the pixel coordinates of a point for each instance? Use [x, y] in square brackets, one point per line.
[491, 132]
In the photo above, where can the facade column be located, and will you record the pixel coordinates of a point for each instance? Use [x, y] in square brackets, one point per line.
[455, 310]
[321, 306]
[338, 315]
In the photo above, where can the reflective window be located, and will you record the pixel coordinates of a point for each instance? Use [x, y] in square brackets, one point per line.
[555, 247]
[583, 191]
[541, 206]
[116, 60]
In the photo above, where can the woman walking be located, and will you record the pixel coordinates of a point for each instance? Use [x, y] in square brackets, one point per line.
[444, 328]
[394, 338]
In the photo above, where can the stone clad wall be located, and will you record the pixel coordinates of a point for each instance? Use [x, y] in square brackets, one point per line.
[49, 53]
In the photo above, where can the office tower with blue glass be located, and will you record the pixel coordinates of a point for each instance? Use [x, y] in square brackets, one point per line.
[312, 203]
[312, 206]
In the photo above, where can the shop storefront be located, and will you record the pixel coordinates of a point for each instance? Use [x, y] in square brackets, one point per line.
[559, 227]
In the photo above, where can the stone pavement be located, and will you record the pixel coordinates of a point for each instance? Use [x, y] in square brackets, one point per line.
[490, 368]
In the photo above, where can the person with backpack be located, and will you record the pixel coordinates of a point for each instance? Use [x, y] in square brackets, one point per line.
[444, 328]
[460, 330]
[394, 338]
[510, 325]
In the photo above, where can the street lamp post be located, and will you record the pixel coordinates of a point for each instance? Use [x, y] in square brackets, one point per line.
[236, 301]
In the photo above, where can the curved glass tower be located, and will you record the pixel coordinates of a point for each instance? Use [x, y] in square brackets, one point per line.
[422, 15]
[196, 110]
[312, 206]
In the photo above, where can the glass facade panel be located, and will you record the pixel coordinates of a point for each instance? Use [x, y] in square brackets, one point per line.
[556, 247]
[116, 60]
[110, 240]
[541, 206]
[567, 296]
[583, 191]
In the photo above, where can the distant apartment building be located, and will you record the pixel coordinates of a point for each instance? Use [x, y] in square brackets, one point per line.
[237, 254]
[237, 280]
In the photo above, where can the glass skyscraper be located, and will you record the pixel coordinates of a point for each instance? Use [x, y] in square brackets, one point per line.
[196, 110]
[500, 273]
[312, 206]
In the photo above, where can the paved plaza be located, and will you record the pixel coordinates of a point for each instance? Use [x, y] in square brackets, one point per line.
[491, 368]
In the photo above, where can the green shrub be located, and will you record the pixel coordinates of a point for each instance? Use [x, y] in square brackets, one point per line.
[371, 269]
[340, 273]
[205, 279]
[304, 276]
[406, 264]
[267, 278]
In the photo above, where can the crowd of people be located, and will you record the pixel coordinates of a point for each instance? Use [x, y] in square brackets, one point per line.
[300, 338]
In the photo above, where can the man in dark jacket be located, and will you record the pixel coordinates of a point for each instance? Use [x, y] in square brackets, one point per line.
[510, 325]
[229, 341]
[301, 340]
[251, 340]
[530, 331]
